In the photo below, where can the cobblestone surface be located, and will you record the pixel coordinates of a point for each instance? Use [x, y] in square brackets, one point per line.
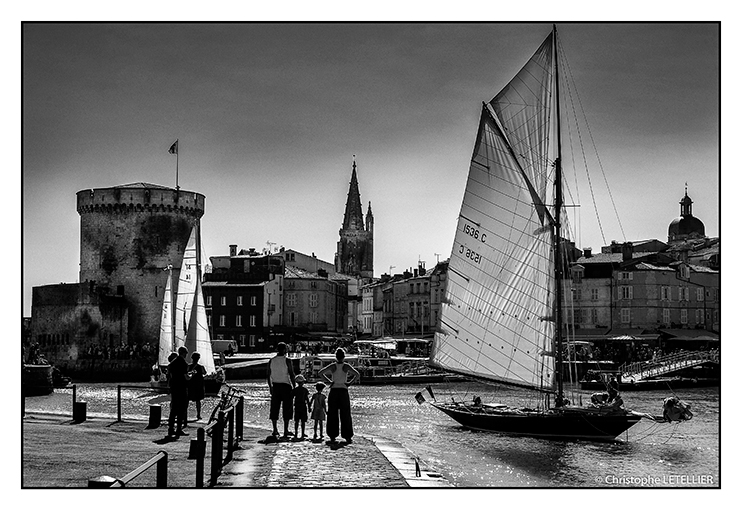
[309, 464]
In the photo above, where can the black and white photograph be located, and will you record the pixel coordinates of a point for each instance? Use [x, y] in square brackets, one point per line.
[384, 254]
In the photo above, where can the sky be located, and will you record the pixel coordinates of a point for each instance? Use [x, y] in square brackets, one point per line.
[270, 116]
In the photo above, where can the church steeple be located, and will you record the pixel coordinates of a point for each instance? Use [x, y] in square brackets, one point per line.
[353, 219]
[369, 219]
[355, 249]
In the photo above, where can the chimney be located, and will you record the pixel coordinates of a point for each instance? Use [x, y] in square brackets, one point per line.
[232, 250]
[628, 251]
[415, 273]
[587, 252]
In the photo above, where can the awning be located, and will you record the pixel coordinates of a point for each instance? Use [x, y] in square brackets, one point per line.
[689, 334]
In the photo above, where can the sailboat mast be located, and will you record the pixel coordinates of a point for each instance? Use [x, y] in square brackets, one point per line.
[558, 270]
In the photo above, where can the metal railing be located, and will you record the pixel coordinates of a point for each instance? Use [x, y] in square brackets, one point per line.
[159, 460]
[665, 364]
[229, 419]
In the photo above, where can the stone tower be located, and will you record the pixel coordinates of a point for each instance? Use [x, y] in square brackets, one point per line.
[355, 249]
[129, 234]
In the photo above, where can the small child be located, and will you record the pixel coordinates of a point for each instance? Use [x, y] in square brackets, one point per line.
[301, 403]
[319, 409]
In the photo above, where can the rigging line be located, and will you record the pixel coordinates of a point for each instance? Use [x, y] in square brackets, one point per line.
[592, 139]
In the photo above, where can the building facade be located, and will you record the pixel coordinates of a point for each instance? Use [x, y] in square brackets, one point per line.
[244, 299]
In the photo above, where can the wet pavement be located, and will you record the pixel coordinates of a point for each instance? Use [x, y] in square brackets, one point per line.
[367, 462]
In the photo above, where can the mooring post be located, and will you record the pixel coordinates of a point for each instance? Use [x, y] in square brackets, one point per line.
[240, 417]
[200, 457]
[119, 402]
[162, 471]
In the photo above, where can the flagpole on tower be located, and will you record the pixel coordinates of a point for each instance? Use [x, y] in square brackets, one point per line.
[174, 150]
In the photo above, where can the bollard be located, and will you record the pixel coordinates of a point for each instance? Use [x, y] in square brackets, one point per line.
[102, 482]
[197, 448]
[155, 416]
[79, 411]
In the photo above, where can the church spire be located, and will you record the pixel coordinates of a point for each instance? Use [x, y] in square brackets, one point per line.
[353, 218]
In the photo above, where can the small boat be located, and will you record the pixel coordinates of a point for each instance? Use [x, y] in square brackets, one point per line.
[186, 325]
[501, 318]
[37, 379]
[379, 370]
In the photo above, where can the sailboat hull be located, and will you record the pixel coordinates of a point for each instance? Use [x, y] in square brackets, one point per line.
[569, 423]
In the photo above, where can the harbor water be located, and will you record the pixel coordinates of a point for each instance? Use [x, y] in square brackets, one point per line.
[648, 455]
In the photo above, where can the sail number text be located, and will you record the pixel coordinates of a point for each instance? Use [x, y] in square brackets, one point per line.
[470, 254]
[475, 233]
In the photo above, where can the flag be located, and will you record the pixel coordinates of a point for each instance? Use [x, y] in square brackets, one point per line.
[174, 148]
[419, 397]
[430, 390]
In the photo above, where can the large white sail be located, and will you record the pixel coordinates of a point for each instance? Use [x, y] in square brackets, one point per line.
[497, 319]
[166, 345]
[186, 289]
[198, 338]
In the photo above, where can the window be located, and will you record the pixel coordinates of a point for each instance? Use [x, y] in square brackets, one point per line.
[291, 299]
[666, 316]
[626, 292]
[252, 321]
[684, 272]
[222, 320]
[208, 320]
[594, 294]
[292, 319]
[208, 300]
[577, 294]
[253, 300]
[239, 321]
[665, 293]
[242, 340]
[699, 294]
[683, 293]
[594, 315]
[418, 287]
[239, 300]
[578, 316]
[412, 288]
[252, 340]
[625, 315]
[313, 300]
[683, 316]
[313, 285]
[699, 316]
[313, 317]
[224, 300]
[625, 275]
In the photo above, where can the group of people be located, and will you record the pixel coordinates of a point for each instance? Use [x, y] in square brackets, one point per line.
[186, 383]
[288, 392]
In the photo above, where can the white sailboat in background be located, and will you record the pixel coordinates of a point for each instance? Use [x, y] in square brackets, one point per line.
[188, 325]
[167, 331]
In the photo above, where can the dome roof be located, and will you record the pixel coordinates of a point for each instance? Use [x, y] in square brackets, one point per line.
[685, 226]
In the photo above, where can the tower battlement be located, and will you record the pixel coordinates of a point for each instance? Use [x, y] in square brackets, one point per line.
[140, 197]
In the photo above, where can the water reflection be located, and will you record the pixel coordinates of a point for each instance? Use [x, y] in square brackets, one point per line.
[473, 458]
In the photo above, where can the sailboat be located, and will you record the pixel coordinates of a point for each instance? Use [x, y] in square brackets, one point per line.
[186, 325]
[502, 309]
